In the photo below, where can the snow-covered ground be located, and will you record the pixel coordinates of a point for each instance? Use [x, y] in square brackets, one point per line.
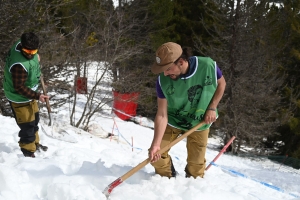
[85, 166]
[79, 165]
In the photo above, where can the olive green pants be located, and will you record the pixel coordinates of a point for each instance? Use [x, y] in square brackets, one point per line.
[27, 118]
[196, 149]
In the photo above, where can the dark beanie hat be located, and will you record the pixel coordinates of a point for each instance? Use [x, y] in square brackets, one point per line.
[30, 41]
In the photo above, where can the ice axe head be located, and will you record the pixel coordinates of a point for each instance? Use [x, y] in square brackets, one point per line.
[111, 186]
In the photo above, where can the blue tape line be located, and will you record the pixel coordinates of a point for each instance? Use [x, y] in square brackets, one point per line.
[237, 173]
[261, 182]
[296, 196]
[127, 141]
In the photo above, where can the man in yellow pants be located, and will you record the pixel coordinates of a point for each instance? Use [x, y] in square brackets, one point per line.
[21, 79]
[189, 89]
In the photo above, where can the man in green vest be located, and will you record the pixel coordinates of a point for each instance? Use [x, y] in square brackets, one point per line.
[189, 89]
[21, 79]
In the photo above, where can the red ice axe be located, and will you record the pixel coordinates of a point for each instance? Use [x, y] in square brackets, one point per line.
[221, 152]
[121, 179]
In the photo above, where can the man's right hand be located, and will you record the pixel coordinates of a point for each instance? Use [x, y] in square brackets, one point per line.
[43, 98]
[153, 155]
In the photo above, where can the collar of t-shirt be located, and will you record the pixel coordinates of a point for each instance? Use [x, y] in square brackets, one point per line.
[191, 68]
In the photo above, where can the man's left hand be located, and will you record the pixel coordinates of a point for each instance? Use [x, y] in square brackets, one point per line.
[43, 98]
[210, 116]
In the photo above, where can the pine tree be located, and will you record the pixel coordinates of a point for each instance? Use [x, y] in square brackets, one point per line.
[245, 52]
[290, 59]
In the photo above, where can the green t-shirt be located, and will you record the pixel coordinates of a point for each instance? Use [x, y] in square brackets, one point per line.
[32, 68]
[189, 97]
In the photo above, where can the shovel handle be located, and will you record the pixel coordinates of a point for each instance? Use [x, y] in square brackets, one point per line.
[121, 179]
[165, 148]
[45, 93]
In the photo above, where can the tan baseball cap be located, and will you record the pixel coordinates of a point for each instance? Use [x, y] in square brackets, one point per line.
[166, 54]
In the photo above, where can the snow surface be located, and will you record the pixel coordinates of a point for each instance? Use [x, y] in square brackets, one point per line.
[79, 165]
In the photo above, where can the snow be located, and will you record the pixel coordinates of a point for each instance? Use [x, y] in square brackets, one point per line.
[79, 165]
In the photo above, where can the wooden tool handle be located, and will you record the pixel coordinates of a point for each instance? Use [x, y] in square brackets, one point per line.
[165, 148]
[121, 179]
[45, 93]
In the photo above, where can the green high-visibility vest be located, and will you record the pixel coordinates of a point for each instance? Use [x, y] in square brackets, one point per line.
[189, 97]
[32, 68]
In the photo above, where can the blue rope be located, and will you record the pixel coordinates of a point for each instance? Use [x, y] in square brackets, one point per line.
[261, 182]
[126, 140]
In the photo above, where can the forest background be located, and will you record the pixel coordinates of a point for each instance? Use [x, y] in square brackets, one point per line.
[256, 44]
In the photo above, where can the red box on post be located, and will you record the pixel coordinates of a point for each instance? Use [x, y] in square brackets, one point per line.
[125, 104]
[81, 85]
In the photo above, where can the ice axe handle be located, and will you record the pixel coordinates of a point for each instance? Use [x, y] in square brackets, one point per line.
[45, 93]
